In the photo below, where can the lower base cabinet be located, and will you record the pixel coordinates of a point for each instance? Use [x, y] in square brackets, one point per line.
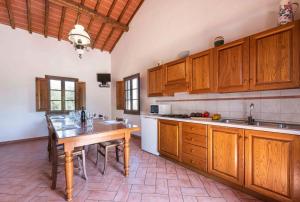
[264, 162]
[194, 145]
[169, 139]
[226, 153]
[272, 165]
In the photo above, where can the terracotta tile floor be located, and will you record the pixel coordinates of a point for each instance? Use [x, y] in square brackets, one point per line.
[25, 176]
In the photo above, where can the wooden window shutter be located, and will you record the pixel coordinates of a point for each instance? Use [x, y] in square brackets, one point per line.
[120, 95]
[80, 95]
[42, 98]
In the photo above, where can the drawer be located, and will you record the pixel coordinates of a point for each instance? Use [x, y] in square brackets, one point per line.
[200, 152]
[194, 128]
[194, 139]
[194, 161]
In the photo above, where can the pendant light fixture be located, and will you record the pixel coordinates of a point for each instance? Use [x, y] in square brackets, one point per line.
[80, 39]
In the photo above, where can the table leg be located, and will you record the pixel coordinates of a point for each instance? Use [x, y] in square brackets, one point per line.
[69, 173]
[126, 153]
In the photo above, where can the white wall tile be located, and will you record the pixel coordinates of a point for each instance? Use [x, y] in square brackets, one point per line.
[290, 106]
[291, 118]
[236, 106]
[270, 106]
[271, 116]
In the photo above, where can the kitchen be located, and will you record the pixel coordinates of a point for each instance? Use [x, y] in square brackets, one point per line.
[250, 86]
[158, 101]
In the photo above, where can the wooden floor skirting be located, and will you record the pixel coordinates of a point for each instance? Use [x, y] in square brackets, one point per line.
[23, 140]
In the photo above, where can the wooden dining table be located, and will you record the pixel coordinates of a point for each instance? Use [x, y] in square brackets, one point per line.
[73, 135]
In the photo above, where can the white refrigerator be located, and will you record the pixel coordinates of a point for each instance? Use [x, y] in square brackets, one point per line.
[149, 134]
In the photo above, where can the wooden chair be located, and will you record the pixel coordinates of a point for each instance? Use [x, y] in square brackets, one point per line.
[57, 154]
[50, 133]
[103, 147]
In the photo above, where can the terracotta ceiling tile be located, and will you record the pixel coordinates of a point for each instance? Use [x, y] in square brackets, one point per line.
[105, 34]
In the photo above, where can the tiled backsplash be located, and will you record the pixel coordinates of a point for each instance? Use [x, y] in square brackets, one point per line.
[287, 110]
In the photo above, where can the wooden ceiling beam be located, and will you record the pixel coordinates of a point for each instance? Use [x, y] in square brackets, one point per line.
[61, 25]
[46, 18]
[115, 43]
[107, 39]
[103, 25]
[136, 10]
[97, 36]
[119, 18]
[10, 14]
[91, 12]
[96, 10]
[28, 6]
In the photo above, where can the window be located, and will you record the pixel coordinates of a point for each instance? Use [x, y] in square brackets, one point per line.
[61, 94]
[132, 94]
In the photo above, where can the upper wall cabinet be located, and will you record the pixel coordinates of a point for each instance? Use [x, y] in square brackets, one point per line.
[155, 81]
[231, 66]
[177, 76]
[274, 58]
[201, 72]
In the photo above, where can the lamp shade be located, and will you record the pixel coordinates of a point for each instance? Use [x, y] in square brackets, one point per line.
[79, 36]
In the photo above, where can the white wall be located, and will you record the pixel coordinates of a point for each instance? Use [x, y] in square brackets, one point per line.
[163, 28]
[23, 57]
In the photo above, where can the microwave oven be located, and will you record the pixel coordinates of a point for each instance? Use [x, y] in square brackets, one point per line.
[160, 109]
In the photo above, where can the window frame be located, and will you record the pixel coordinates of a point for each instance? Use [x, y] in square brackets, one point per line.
[130, 78]
[63, 80]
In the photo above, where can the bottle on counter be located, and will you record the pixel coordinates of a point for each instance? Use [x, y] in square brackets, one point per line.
[82, 115]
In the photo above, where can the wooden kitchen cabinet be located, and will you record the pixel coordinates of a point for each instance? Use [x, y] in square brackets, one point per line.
[272, 164]
[177, 76]
[226, 153]
[155, 81]
[194, 145]
[201, 72]
[231, 66]
[169, 140]
[120, 99]
[274, 58]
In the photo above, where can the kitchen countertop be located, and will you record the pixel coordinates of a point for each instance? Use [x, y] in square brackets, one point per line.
[233, 125]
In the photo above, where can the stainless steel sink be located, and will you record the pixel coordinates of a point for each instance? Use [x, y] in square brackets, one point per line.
[277, 125]
[234, 121]
[267, 124]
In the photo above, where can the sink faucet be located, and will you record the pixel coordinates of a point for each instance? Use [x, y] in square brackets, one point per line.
[250, 118]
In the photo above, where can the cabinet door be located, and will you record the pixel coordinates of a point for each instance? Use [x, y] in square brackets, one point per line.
[120, 95]
[274, 60]
[268, 163]
[155, 81]
[231, 66]
[226, 153]
[177, 76]
[201, 72]
[169, 138]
